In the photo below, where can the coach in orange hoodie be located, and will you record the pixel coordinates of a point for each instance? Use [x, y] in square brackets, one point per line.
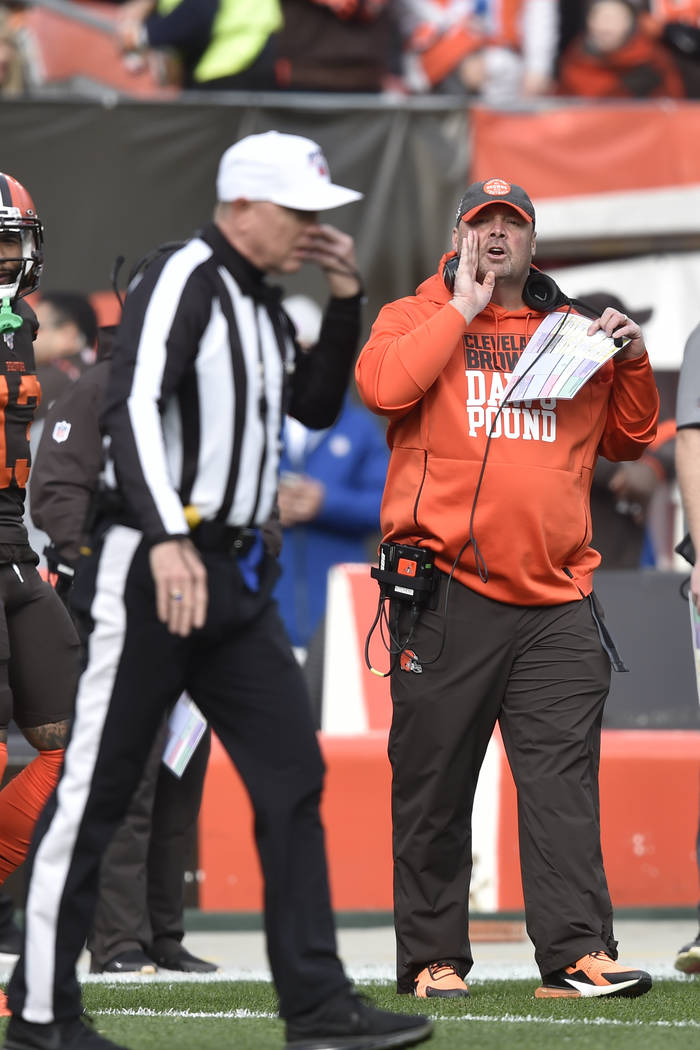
[500, 494]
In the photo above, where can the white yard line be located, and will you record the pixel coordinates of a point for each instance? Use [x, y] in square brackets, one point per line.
[144, 1011]
[597, 1021]
[487, 1018]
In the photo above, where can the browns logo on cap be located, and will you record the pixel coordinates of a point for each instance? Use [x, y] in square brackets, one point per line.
[480, 194]
[497, 187]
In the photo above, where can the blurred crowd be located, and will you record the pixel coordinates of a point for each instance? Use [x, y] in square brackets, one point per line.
[497, 51]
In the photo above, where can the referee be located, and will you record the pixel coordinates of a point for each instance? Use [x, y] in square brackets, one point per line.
[178, 587]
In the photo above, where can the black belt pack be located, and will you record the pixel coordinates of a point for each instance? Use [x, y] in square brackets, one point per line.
[223, 539]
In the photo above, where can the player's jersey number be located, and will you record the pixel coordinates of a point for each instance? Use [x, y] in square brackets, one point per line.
[14, 439]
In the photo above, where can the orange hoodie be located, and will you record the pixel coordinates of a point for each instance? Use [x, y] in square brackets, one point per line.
[440, 382]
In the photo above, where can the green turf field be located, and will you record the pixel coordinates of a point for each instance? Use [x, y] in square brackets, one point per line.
[500, 1015]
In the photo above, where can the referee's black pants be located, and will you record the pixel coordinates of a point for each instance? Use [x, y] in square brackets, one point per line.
[543, 675]
[240, 671]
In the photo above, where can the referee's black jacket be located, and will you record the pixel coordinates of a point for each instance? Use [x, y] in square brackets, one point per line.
[204, 368]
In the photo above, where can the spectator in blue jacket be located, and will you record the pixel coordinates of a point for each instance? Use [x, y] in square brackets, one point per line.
[330, 492]
[331, 485]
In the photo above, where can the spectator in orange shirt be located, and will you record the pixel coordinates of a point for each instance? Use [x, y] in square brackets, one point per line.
[678, 24]
[618, 55]
[498, 51]
[622, 492]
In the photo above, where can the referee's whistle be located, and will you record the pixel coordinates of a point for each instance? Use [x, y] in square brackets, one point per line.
[192, 515]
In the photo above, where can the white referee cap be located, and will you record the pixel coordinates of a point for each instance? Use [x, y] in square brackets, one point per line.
[284, 169]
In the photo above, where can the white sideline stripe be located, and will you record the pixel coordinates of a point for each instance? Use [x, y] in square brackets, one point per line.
[144, 1011]
[260, 1015]
[595, 1021]
[54, 853]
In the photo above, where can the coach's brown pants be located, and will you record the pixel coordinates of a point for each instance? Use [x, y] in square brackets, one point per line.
[543, 675]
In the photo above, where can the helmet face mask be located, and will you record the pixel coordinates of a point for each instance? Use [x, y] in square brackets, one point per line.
[18, 218]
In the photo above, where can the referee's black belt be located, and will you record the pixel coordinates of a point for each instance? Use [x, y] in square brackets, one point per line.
[223, 539]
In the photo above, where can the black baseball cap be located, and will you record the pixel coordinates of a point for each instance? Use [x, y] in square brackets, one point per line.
[494, 191]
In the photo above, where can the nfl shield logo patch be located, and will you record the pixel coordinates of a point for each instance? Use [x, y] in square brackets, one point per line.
[61, 430]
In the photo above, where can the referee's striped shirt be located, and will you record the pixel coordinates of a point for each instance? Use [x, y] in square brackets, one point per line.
[204, 368]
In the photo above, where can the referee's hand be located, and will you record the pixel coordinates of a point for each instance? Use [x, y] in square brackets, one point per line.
[181, 585]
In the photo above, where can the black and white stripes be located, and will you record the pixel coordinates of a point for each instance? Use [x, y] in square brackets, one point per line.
[195, 404]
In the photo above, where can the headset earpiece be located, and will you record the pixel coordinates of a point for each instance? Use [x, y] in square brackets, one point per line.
[541, 292]
[449, 272]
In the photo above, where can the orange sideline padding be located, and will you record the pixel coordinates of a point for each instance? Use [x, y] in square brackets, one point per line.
[649, 786]
[355, 813]
[589, 149]
[649, 804]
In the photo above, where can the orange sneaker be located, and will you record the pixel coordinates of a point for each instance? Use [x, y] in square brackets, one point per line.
[4, 1012]
[440, 980]
[594, 974]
